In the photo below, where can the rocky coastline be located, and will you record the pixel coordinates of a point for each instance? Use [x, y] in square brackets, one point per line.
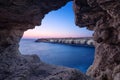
[71, 41]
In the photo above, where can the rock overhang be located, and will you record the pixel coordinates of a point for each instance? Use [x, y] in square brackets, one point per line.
[25, 14]
[102, 16]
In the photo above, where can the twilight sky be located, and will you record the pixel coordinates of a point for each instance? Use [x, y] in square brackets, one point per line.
[58, 23]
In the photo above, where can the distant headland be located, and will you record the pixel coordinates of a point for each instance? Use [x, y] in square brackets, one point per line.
[86, 41]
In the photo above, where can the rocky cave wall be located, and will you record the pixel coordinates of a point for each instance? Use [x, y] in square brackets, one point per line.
[16, 16]
[102, 16]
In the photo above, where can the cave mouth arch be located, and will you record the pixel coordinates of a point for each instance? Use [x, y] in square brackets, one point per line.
[17, 16]
[61, 22]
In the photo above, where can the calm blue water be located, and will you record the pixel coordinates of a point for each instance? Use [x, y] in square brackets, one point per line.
[79, 57]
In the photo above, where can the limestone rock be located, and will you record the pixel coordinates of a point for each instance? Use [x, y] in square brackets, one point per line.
[86, 41]
[103, 17]
[26, 14]
[16, 16]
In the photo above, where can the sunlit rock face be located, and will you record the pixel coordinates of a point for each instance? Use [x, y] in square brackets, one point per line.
[16, 16]
[75, 41]
[102, 16]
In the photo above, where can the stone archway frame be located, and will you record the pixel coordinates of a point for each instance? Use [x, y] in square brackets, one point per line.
[16, 16]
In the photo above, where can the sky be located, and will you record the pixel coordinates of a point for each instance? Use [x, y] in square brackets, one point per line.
[57, 24]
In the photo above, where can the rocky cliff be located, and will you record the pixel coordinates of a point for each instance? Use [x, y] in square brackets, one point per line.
[16, 16]
[102, 16]
[88, 41]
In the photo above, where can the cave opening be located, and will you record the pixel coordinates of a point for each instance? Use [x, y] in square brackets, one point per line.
[17, 16]
[59, 24]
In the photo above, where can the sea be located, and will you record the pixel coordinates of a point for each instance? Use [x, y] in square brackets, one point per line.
[74, 56]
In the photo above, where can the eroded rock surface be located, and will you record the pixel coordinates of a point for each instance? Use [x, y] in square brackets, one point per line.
[102, 16]
[16, 16]
[25, 14]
